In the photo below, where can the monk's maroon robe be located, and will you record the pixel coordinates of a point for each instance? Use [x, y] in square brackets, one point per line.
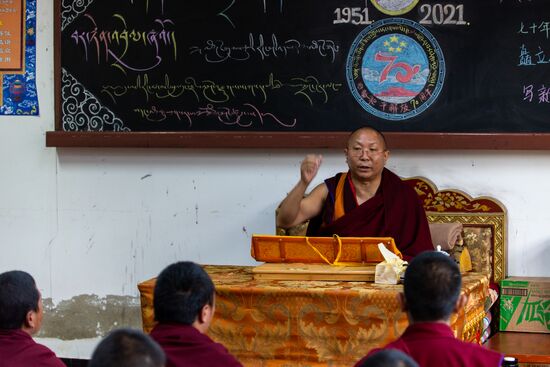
[433, 344]
[394, 211]
[186, 346]
[18, 349]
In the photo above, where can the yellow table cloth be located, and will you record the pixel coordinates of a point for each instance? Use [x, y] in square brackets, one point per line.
[312, 323]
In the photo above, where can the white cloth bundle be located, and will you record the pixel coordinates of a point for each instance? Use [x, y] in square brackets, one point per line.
[446, 235]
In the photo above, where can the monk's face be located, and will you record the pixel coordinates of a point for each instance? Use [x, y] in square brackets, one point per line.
[366, 154]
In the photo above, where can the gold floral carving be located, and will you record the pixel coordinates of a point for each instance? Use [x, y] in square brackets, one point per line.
[452, 199]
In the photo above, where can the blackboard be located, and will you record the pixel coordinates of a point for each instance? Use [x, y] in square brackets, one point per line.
[303, 67]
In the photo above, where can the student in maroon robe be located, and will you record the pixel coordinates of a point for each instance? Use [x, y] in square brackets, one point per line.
[388, 358]
[127, 348]
[21, 314]
[431, 294]
[184, 306]
[367, 201]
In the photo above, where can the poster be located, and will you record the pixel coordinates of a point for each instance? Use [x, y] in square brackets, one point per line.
[18, 94]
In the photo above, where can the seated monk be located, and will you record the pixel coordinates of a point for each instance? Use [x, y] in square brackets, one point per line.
[431, 294]
[127, 348]
[21, 312]
[184, 304]
[367, 201]
[388, 358]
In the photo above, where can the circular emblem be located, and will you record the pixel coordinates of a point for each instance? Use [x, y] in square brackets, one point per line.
[395, 69]
[394, 7]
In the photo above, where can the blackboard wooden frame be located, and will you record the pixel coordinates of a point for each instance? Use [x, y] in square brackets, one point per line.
[271, 140]
[276, 140]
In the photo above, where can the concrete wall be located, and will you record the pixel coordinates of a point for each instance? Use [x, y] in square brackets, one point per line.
[90, 224]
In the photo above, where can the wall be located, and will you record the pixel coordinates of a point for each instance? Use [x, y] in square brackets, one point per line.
[90, 224]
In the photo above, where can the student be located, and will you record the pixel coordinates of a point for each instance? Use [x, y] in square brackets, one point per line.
[21, 312]
[184, 305]
[431, 294]
[388, 358]
[127, 348]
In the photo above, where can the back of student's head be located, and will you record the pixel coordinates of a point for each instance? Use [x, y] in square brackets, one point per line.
[432, 286]
[389, 358]
[18, 296]
[127, 348]
[181, 290]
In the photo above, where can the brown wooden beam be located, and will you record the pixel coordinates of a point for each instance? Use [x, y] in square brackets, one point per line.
[285, 140]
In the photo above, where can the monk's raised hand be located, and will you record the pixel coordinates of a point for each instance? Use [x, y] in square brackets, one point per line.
[310, 167]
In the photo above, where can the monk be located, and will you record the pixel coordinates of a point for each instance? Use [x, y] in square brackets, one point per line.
[389, 358]
[127, 348]
[431, 294]
[367, 201]
[184, 307]
[21, 312]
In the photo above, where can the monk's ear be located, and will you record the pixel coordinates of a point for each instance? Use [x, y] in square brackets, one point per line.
[346, 155]
[461, 302]
[31, 321]
[202, 314]
[403, 302]
[386, 155]
[206, 314]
